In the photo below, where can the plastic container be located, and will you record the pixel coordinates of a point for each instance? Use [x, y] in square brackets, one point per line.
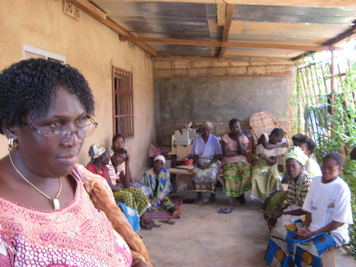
[188, 162]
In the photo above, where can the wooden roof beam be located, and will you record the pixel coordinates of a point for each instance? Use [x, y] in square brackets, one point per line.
[228, 20]
[226, 44]
[297, 3]
[335, 41]
[96, 13]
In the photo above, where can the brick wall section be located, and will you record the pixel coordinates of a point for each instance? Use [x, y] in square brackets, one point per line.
[179, 67]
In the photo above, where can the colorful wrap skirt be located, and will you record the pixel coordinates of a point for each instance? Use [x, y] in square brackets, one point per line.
[285, 250]
[204, 180]
[134, 198]
[237, 177]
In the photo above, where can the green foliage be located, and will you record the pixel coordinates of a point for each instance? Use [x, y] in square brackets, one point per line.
[332, 131]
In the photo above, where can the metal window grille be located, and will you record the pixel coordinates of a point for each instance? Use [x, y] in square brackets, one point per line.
[123, 107]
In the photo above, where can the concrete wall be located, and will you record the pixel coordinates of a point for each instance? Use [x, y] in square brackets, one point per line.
[223, 70]
[92, 48]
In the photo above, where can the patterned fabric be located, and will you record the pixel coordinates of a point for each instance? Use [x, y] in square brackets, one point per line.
[285, 250]
[115, 175]
[102, 198]
[75, 235]
[204, 180]
[232, 146]
[264, 179]
[134, 198]
[159, 199]
[208, 124]
[299, 188]
[237, 177]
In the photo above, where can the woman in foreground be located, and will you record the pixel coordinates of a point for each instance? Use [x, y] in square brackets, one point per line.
[328, 215]
[47, 218]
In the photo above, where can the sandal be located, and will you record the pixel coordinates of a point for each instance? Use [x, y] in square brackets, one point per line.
[168, 221]
[221, 210]
[227, 211]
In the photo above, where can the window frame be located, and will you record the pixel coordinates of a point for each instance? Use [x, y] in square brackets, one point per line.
[48, 55]
[123, 114]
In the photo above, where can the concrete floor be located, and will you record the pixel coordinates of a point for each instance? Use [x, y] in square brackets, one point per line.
[203, 237]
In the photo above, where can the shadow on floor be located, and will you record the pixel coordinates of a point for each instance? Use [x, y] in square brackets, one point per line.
[203, 237]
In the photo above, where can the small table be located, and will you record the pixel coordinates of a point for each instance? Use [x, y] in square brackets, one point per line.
[180, 174]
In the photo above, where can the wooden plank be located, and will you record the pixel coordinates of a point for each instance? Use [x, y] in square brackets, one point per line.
[224, 44]
[228, 21]
[306, 3]
[221, 9]
[89, 8]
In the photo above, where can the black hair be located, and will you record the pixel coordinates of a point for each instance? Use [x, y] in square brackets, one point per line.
[120, 151]
[28, 86]
[296, 138]
[311, 144]
[337, 157]
[278, 132]
[232, 121]
[116, 136]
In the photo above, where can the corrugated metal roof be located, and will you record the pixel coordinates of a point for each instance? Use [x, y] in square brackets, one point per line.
[251, 23]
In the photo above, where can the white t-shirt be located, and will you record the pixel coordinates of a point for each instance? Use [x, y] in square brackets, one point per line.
[329, 202]
[312, 167]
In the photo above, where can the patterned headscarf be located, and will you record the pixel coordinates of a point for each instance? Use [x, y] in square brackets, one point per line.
[297, 153]
[96, 151]
[208, 124]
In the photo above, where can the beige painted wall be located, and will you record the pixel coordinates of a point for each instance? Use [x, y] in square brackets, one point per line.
[92, 48]
[183, 67]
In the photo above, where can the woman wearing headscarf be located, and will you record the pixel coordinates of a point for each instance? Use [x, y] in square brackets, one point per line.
[298, 188]
[157, 179]
[206, 152]
[328, 215]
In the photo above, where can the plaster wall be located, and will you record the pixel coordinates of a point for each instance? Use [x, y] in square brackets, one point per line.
[223, 71]
[93, 49]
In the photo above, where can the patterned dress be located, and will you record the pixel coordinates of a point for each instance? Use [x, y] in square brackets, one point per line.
[204, 180]
[161, 187]
[237, 171]
[75, 235]
[132, 197]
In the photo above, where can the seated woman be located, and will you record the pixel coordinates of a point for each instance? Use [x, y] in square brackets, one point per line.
[141, 202]
[265, 171]
[157, 178]
[99, 158]
[206, 152]
[328, 214]
[237, 171]
[48, 216]
[308, 146]
[118, 141]
[298, 188]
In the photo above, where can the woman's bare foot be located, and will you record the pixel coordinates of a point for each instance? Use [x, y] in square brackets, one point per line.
[211, 199]
[178, 211]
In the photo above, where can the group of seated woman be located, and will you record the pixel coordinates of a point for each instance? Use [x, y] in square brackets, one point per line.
[309, 219]
[151, 194]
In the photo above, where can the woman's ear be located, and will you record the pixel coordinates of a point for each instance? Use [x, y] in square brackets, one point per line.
[10, 131]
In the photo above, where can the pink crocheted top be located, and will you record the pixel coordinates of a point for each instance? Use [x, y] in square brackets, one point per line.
[76, 235]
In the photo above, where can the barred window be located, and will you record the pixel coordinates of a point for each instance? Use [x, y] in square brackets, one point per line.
[123, 109]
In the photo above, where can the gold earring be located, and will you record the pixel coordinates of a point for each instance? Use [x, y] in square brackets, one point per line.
[10, 143]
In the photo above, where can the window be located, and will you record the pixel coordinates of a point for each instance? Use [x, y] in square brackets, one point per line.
[123, 109]
[35, 52]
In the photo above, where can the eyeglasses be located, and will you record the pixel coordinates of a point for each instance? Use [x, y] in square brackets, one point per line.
[58, 135]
